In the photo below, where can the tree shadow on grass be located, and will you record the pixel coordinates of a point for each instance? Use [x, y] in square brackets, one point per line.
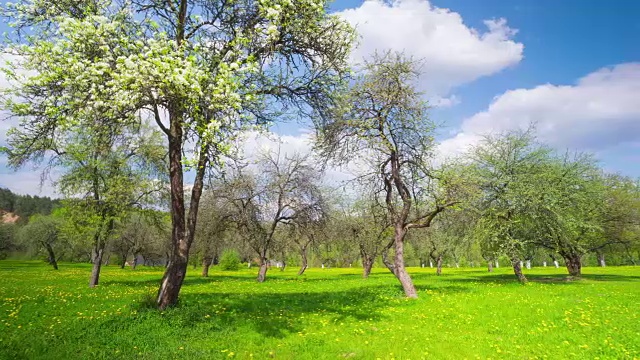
[192, 280]
[610, 277]
[247, 278]
[228, 316]
[272, 314]
[545, 278]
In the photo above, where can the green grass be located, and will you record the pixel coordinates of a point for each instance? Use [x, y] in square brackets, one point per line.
[326, 314]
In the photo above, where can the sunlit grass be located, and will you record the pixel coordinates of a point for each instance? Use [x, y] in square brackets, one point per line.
[325, 314]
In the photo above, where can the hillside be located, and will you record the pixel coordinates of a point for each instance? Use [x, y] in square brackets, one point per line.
[8, 217]
[15, 207]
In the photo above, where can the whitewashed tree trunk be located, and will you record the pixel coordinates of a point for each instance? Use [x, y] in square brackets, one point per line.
[323, 265]
[497, 264]
[528, 264]
[601, 260]
[249, 264]
[422, 265]
[555, 262]
[430, 263]
[544, 264]
[457, 265]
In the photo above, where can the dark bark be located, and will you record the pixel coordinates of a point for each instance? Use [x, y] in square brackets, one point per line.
[179, 257]
[439, 265]
[262, 272]
[135, 261]
[574, 265]
[284, 265]
[183, 227]
[97, 263]
[124, 260]
[206, 263]
[517, 269]
[305, 262]
[490, 265]
[51, 256]
[400, 270]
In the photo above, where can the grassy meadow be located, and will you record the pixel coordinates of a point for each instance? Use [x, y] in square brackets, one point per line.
[325, 314]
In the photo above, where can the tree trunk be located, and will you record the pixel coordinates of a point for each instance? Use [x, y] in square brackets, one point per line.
[517, 269]
[135, 261]
[97, 263]
[528, 264]
[124, 260]
[262, 272]
[490, 265]
[99, 243]
[284, 265]
[52, 257]
[206, 263]
[385, 258]
[574, 266]
[601, 261]
[183, 229]
[303, 255]
[400, 270]
[367, 264]
[439, 265]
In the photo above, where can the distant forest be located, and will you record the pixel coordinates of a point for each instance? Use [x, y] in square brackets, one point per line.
[25, 205]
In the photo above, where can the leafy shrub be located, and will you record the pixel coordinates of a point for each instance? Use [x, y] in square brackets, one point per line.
[230, 260]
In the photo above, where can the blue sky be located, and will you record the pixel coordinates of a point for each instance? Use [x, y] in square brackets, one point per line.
[572, 66]
[562, 43]
[564, 40]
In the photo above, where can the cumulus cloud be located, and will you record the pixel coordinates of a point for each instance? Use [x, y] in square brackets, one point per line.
[454, 53]
[599, 111]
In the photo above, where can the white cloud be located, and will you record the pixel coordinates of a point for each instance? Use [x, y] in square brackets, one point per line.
[600, 111]
[454, 53]
[28, 181]
[255, 143]
[444, 102]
